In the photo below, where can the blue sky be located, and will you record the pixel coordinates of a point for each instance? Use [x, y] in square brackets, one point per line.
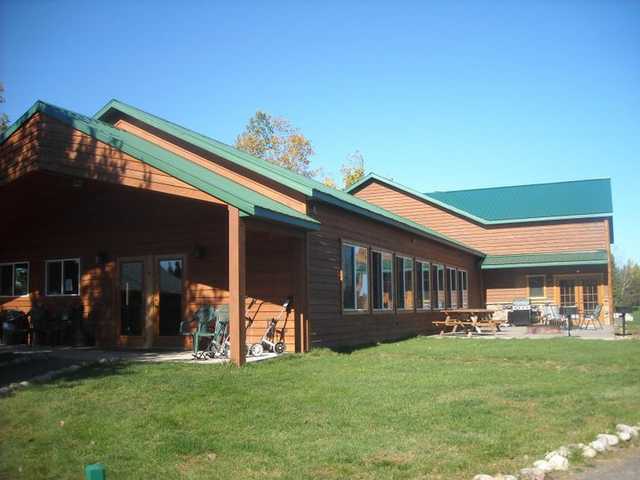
[437, 95]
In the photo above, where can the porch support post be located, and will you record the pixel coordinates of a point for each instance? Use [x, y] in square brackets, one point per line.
[237, 276]
[301, 303]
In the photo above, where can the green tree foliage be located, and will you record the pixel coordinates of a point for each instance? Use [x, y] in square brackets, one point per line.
[626, 284]
[353, 169]
[276, 140]
[4, 119]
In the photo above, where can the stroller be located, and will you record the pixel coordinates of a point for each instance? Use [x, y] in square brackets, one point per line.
[268, 340]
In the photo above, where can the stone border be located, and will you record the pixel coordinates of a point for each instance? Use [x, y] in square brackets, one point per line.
[558, 460]
[52, 375]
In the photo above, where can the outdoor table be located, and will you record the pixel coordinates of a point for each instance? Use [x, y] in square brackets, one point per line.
[468, 319]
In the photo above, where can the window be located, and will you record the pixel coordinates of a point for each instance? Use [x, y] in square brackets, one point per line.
[464, 287]
[423, 290]
[14, 279]
[536, 286]
[404, 283]
[452, 279]
[63, 276]
[355, 278]
[382, 278]
[438, 285]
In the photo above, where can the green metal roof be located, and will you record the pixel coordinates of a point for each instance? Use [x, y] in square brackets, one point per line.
[246, 200]
[518, 204]
[597, 257]
[307, 186]
[577, 198]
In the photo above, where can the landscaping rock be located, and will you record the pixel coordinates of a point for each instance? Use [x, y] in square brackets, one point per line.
[4, 391]
[505, 477]
[483, 477]
[24, 384]
[599, 445]
[632, 431]
[532, 474]
[612, 440]
[588, 452]
[624, 436]
[558, 462]
[543, 465]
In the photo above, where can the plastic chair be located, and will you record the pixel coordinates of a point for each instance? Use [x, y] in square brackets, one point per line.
[593, 318]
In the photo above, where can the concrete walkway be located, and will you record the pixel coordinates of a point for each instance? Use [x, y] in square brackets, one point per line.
[508, 333]
[622, 465]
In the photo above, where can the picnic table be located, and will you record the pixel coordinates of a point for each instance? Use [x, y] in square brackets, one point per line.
[470, 320]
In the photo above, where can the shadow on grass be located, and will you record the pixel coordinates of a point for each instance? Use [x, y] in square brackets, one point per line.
[349, 349]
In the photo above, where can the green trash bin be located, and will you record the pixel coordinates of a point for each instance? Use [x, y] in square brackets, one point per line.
[95, 471]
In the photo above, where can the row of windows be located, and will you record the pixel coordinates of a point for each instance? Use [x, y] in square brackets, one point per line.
[411, 283]
[62, 277]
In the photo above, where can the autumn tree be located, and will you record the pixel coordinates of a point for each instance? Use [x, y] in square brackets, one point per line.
[274, 139]
[353, 169]
[4, 119]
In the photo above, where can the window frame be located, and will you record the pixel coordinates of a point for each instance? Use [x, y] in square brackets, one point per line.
[13, 278]
[46, 276]
[355, 310]
[544, 286]
[437, 267]
[382, 252]
[428, 264]
[452, 272]
[412, 308]
[463, 274]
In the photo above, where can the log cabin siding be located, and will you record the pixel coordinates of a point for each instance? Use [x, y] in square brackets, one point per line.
[538, 237]
[329, 326]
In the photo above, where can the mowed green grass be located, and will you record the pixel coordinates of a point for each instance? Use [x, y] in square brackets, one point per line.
[421, 408]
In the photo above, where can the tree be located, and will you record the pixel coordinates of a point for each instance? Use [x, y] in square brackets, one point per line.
[353, 169]
[4, 119]
[277, 141]
[626, 284]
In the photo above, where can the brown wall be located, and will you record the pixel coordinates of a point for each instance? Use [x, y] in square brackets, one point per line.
[58, 220]
[329, 326]
[505, 285]
[539, 237]
[215, 163]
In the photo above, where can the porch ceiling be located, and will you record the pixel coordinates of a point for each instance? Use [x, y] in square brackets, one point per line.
[249, 202]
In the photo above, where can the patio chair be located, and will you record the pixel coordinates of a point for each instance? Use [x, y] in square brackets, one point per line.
[40, 325]
[15, 327]
[204, 318]
[553, 317]
[593, 318]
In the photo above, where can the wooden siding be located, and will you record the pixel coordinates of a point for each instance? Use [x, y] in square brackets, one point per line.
[328, 325]
[504, 286]
[216, 164]
[539, 237]
[58, 220]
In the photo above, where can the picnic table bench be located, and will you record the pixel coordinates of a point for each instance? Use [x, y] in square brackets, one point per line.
[471, 320]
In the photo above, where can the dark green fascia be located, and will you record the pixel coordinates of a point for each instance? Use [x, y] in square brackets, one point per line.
[178, 167]
[403, 224]
[273, 172]
[544, 264]
[309, 187]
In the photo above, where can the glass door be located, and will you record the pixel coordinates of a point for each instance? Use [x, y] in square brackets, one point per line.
[132, 301]
[567, 293]
[589, 296]
[170, 295]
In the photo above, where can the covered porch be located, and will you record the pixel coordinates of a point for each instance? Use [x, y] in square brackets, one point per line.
[119, 241]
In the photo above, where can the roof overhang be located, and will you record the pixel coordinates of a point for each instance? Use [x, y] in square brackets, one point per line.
[563, 259]
[249, 202]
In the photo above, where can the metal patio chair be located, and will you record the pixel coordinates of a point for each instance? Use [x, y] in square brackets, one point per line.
[553, 317]
[593, 318]
[204, 318]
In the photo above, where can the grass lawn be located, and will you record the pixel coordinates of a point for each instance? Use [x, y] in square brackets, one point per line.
[421, 408]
